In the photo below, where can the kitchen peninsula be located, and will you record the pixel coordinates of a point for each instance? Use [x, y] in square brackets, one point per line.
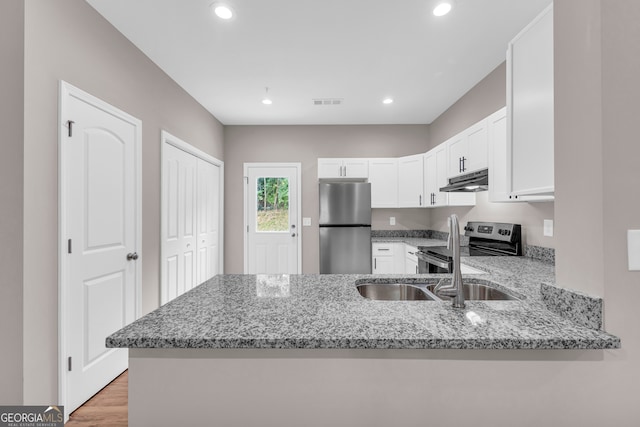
[310, 350]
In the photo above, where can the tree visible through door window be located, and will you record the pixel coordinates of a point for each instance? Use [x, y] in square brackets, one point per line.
[272, 204]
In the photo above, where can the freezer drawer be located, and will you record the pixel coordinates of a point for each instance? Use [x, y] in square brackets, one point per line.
[345, 250]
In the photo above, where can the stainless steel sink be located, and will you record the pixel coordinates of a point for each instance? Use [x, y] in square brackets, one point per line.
[478, 292]
[393, 292]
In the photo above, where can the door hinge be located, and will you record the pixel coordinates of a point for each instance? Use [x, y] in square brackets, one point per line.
[246, 180]
[69, 246]
[69, 363]
[70, 127]
[247, 228]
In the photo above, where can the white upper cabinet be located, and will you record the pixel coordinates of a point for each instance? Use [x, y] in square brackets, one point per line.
[383, 176]
[468, 150]
[500, 163]
[435, 172]
[530, 107]
[411, 181]
[343, 168]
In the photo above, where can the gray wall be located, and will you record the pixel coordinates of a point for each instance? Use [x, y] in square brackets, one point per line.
[69, 40]
[11, 194]
[488, 96]
[305, 144]
[597, 64]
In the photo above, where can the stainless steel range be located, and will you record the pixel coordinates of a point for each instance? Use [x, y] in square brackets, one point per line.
[485, 239]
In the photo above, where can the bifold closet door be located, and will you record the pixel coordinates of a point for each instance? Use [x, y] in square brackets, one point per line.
[208, 219]
[179, 222]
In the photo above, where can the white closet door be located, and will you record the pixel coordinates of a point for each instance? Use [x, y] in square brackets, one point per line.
[179, 223]
[208, 220]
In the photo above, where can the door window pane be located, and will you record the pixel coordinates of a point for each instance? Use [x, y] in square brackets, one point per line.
[272, 204]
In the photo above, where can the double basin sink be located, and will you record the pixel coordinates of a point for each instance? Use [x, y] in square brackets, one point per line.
[473, 291]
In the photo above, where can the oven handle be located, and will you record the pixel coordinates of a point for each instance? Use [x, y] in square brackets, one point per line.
[492, 251]
[431, 260]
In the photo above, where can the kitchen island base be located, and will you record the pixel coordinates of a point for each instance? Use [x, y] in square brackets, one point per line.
[340, 387]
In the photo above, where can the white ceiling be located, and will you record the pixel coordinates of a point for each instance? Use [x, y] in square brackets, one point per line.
[358, 50]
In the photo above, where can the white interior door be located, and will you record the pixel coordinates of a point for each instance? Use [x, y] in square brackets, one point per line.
[191, 217]
[272, 210]
[179, 179]
[100, 208]
[208, 218]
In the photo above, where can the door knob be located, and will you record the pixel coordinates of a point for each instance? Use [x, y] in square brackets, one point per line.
[132, 256]
[293, 234]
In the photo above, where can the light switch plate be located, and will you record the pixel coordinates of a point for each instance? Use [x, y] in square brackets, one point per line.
[633, 249]
[392, 220]
[548, 227]
[306, 222]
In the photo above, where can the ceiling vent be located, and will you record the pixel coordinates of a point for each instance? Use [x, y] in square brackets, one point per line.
[328, 101]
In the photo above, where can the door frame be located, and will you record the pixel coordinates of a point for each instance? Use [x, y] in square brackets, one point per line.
[245, 226]
[167, 138]
[67, 91]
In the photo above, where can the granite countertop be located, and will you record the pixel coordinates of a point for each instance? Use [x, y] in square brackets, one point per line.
[326, 311]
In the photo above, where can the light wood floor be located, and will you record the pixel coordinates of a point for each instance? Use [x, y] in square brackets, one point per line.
[107, 408]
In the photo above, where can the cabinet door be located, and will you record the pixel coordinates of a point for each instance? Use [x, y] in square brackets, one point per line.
[530, 107]
[330, 168]
[440, 198]
[356, 168]
[477, 140]
[411, 181]
[499, 162]
[411, 266]
[383, 176]
[457, 148]
[430, 177]
[383, 265]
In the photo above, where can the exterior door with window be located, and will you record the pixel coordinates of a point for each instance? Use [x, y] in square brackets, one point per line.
[272, 243]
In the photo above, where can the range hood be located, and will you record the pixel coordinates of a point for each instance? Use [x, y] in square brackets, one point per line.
[470, 182]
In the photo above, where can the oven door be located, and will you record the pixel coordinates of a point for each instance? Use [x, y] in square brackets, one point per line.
[428, 264]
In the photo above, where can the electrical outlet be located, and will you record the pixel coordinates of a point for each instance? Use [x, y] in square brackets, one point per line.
[306, 222]
[548, 227]
[392, 220]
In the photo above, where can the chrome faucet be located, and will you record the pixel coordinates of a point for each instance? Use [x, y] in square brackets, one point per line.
[455, 288]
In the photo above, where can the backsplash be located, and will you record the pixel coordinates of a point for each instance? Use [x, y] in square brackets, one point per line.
[540, 253]
[573, 305]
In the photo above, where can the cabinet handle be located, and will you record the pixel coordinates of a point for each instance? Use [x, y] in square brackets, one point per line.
[420, 197]
[345, 171]
[383, 249]
[463, 166]
[375, 263]
[459, 164]
[416, 269]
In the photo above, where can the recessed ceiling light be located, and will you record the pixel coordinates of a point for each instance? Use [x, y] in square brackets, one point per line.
[266, 100]
[442, 9]
[222, 11]
[387, 101]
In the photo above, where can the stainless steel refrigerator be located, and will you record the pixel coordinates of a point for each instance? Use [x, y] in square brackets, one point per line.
[345, 227]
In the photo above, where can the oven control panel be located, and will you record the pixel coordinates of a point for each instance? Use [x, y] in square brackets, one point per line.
[492, 230]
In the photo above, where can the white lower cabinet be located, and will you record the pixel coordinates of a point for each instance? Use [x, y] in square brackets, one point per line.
[394, 258]
[410, 259]
[383, 255]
